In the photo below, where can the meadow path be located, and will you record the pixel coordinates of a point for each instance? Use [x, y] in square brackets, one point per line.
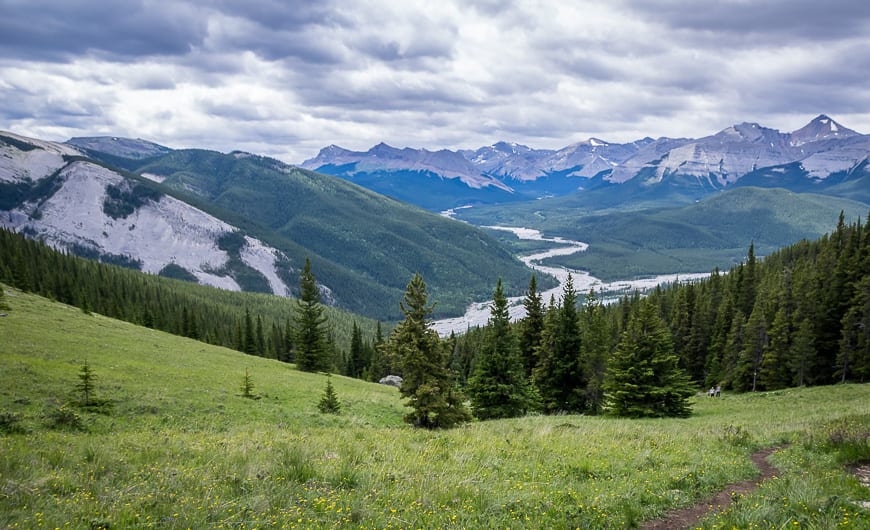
[688, 517]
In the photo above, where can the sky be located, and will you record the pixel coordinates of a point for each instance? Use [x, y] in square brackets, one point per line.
[285, 78]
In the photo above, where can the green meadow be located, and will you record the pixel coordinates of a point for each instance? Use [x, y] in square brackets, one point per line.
[170, 442]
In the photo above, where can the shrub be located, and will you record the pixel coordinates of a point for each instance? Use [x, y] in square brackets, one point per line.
[10, 423]
[329, 403]
[65, 417]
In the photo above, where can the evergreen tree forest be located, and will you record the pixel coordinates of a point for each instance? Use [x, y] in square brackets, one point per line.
[256, 324]
[800, 316]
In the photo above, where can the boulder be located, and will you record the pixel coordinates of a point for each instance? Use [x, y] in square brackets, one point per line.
[391, 380]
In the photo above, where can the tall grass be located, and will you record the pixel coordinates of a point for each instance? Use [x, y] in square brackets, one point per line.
[182, 448]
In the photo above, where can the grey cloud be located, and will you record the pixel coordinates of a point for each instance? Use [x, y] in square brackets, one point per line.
[59, 30]
[285, 15]
[740, 23]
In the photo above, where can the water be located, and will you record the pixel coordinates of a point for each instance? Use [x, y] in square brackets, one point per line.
[477, 313]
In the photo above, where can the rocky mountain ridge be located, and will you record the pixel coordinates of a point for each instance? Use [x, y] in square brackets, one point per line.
[819, 149]
[53, 193]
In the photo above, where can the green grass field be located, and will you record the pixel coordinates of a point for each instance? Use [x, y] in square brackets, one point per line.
[175, 445]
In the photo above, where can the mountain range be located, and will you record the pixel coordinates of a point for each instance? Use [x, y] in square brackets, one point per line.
[243, 222]
[823, 156]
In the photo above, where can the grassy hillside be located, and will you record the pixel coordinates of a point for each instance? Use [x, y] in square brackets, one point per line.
[179, 447]
[365, 246]
[691, 238]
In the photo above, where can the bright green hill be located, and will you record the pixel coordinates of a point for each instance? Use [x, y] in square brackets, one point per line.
[180, 447]
[363, 245]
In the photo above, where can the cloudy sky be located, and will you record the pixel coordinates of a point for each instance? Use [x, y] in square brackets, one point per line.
[286, 77]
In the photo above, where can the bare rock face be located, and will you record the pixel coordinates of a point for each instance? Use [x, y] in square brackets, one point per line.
[391, 380]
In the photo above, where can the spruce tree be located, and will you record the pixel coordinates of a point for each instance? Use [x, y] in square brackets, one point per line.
[357, 358]
[309, 325]
[594, 351]
[248, 386]
[531, 326]
[499, 387]
[87, 384]
[329, 402]
[802, 352]
[249, 339]
[560, 379]
[417, 350]
[756, 340]
[644, 378]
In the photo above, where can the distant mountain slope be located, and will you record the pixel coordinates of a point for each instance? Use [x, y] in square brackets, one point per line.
[697, 237]
[675, 170]
[364, 245]
[50, 192]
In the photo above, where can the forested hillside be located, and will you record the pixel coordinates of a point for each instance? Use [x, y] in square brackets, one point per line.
[801, 316]
[365, 246]
[253, 323]
[653, 239]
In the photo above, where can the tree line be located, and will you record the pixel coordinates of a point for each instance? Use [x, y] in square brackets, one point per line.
[801, 316]
[252, 323]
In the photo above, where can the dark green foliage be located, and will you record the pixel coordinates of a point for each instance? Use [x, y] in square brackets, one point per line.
[248, 278]
[177, 272]
[214, 315]
[309, 331]
[643, 378]
[499, 387]
[558, 376]
[16, 143]
[596, 345]
[531, 327]
[655, 237]
[248, 386]
[360, 355]
[415, 348]
[124, 199]
[86, 385]
[120, 260]
[10, 423]
[64, 417]
[329, 402]
[15, 194]
[363, 245]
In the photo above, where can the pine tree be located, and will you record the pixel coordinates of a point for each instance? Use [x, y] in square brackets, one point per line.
[559, 379]
[87, 384]
[249, 339]
[755, 344]
[644, 378]
[309, 325]
[329, 402]
[248, 386]
[774, 371]
[802, 352]
[417, 350]
[358, 361]
[532, 326]
[499, 387]
[594, 351]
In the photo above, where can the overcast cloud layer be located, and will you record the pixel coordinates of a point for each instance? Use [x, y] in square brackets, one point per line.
[285, 78]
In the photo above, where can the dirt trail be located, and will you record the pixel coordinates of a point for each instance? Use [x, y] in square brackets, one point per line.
[688, 517]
